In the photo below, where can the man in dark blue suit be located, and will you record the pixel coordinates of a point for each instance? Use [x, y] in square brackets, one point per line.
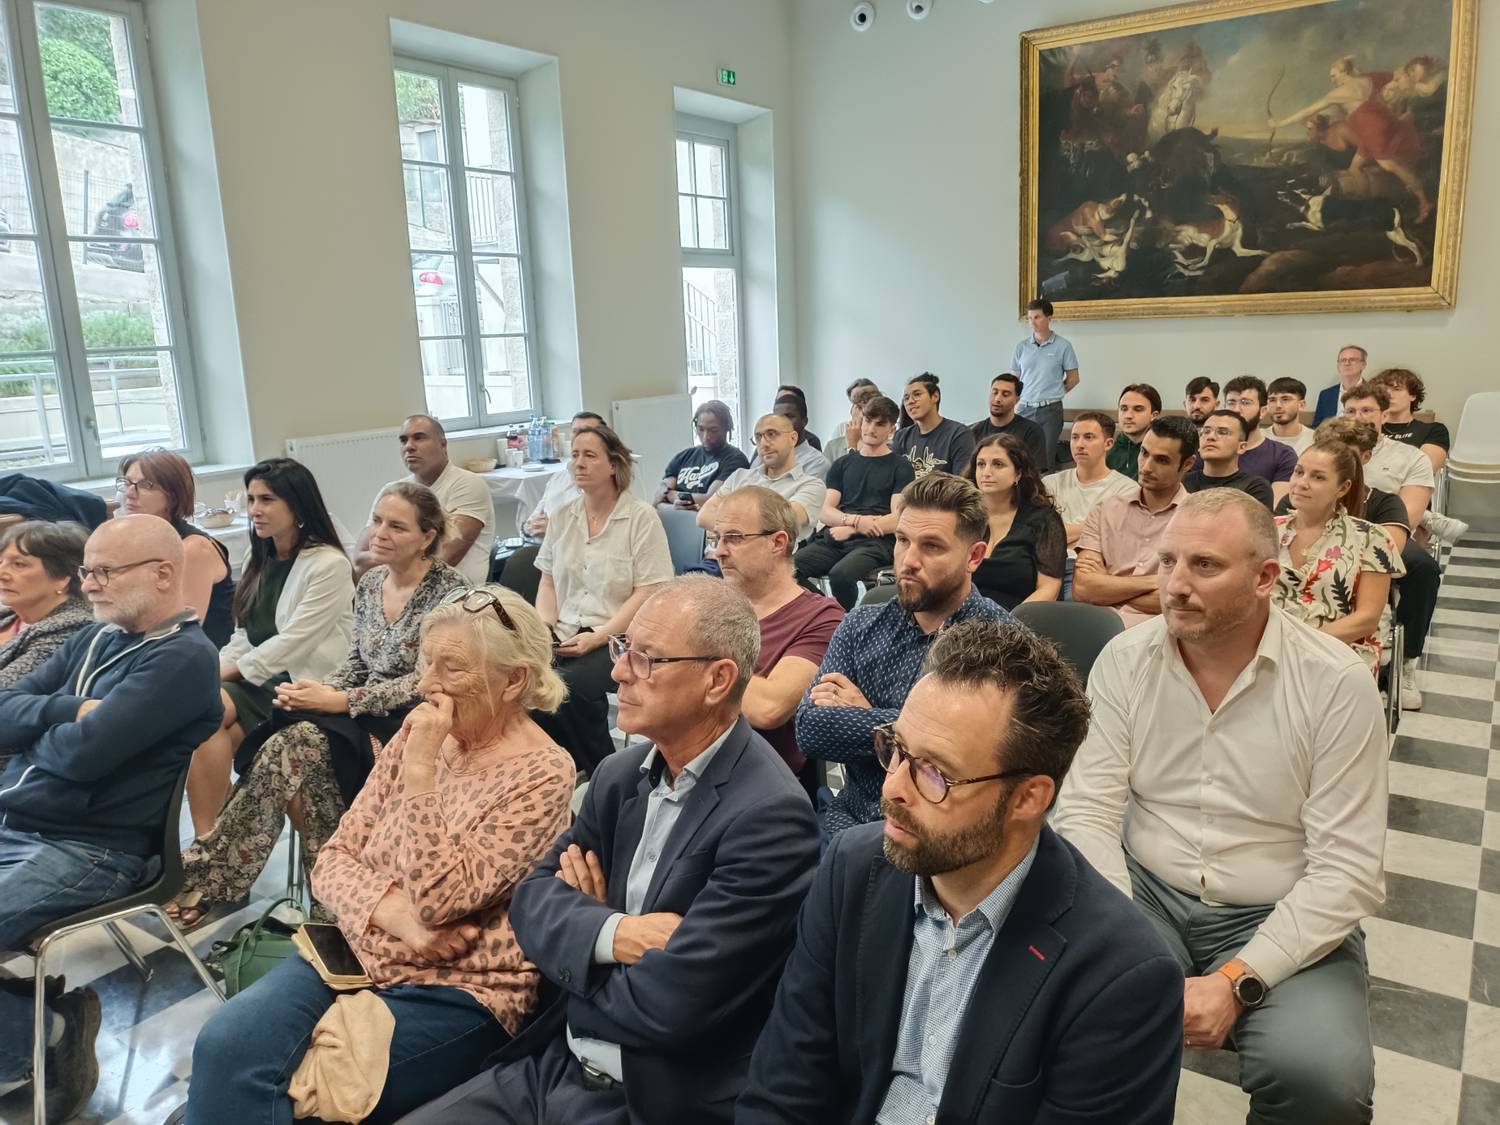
[666, 913]
[961, 962]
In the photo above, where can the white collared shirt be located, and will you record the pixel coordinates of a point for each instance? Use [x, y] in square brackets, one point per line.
[594, 577]
[1278, 797]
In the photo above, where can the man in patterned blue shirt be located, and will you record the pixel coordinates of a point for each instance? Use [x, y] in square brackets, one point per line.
[877, 653]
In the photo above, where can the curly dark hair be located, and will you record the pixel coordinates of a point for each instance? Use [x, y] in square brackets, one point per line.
[1029, 490]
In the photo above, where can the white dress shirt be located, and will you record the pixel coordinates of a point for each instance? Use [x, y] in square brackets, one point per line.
[593, 576]
[1278, 797]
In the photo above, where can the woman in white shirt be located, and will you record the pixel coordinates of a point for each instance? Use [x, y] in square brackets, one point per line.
[294, 611]
[603, 554]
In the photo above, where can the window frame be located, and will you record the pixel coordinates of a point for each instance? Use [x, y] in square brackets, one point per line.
[54, 243]
[455, 170]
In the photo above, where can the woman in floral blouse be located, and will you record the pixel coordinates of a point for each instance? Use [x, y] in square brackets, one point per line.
[1336, 568]
[310, 760]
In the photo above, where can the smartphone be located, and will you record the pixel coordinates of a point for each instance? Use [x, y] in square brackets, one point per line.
[333, 950]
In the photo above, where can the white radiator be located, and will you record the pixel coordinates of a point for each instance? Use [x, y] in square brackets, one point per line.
[350, 470]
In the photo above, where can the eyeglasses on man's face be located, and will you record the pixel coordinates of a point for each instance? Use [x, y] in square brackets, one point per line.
[639, 663]
[102, 574]
[736, 539]
[931, 783]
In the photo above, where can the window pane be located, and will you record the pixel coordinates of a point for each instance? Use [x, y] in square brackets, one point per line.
[23, 312]
[507, 386]
[429, 211]
[86, 69]
[434, 280]
[15, 199]
[713, 230]
[7, 89]
[444, 375]
[31, 425]
[684, 166]
[710, 307]
[104, 184]
[419, 116]
[135, 402]
[498, 282]
[120, 295]
[483, 120]
[708, 161]
[685, 233]
[492, 213]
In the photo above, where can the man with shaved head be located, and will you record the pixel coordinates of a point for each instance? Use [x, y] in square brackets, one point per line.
[1233, 782]
[103, 732]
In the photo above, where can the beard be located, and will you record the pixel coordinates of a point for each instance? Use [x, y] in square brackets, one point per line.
[939, 853]
[1207, 625]
[924, 597]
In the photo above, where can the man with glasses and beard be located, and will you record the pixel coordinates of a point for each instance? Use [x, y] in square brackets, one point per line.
[962, 962]
[877, 652]
[1233, 782]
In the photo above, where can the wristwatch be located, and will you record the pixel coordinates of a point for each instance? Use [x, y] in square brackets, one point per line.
[1248, 988]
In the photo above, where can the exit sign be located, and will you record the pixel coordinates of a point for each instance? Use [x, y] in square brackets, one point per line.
[726, 78]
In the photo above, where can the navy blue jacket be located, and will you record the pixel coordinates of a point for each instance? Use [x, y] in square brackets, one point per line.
[1328, 403]
[736, 866]
[106, 779]
[1076, 1015]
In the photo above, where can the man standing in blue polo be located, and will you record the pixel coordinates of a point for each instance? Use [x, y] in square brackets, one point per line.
[1048, 368]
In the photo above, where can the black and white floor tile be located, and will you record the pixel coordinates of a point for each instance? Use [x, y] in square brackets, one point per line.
[1434, 949]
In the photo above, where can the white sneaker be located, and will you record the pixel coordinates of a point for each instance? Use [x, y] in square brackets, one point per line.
[1411, 695]
[1446, 528]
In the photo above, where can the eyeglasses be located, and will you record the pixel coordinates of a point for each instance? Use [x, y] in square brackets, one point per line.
[124, 484]
[733, 539]
[767, 435]
[931, 783]
[477, 601]
[102, 574]
[640, 664]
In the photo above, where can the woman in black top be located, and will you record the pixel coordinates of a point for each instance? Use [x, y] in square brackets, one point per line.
[1028, 545]
[158, 483]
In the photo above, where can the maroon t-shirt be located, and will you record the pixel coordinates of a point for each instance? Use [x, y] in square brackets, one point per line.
[803, 627]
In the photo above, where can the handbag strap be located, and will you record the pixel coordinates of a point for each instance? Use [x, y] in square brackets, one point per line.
[266, 917]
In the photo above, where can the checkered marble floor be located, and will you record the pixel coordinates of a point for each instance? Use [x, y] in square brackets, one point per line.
[1434, 950]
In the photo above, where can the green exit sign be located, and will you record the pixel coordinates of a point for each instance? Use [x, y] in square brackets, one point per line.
[726, 78]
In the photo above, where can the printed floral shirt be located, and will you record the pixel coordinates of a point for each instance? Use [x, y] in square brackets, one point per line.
[1324, 587]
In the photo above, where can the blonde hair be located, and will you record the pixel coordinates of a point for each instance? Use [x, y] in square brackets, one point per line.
[527, 646]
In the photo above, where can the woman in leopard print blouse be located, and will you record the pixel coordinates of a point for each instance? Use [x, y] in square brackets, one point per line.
[461, 804]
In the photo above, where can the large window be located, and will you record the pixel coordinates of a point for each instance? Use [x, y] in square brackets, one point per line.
[709, 238]
[93, 362]
[465, 224]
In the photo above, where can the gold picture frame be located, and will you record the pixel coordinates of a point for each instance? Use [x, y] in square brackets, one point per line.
[1085, 132]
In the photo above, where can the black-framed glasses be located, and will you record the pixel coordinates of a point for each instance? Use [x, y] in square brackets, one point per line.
[102, 574]
[124, 484]
[639, 663]
[931, 783]
[477, 601]
[734, 539]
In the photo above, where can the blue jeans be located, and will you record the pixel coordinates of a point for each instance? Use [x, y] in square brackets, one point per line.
[42, 880]
[248, 1051]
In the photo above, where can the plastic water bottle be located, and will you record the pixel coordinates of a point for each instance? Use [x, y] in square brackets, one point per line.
[534, 439]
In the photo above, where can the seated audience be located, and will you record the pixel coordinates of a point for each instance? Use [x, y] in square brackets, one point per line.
[1270, 460]
[860, 393]
[158, 483]
[859, 509]
[666, 912]
[1005, 395]
[466, 498]
[41, 599]
[1405, 390]
[1201, 400]
[1233, 783]
[812, 462]
[560, 487]
[776, 469]
[1138, 407]
[1077, 491]
[1117, 546]
[1286, 399]
[1393, 467]
[295, 609]
[876, 654]
[694, 475]
[102, 732]
[931, 442]
[1336, 567]
[1220, 439]
[1351, 371]
[757, 530]
[311, 757]
[1026, 544]
[463, 801]
[603, 554]
[801, 397]
[961, 962]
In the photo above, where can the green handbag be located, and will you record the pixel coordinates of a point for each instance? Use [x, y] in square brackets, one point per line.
[252, 951]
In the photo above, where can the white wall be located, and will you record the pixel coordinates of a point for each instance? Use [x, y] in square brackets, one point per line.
[907, 234]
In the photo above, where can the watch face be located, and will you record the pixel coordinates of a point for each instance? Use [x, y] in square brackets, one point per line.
[1250, 991]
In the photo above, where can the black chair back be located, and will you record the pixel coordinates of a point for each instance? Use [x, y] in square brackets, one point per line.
[1080, 631]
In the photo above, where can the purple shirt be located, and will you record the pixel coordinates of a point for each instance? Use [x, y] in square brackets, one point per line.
[1270, 460]
[803, 627]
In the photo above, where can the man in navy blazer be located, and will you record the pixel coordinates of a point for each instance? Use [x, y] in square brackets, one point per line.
[666, 913]
[962, 962]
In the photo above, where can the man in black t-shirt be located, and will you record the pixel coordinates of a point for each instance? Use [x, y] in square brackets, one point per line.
[1005, 393]
[1406, 392]
[1219, 443]
[860, 511]
[696, 473]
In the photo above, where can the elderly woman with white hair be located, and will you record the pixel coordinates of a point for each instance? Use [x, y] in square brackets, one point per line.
[461, 804]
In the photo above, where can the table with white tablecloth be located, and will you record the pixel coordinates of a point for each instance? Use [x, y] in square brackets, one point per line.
[522, 487]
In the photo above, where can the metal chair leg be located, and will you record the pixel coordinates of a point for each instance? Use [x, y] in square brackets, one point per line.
[180, 940]
[39, 1037]
[129, 951]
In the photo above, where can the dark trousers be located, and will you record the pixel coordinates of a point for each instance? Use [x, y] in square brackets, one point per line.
[519, 573]
[844, 564]
[581, 725]
[1419, 594]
